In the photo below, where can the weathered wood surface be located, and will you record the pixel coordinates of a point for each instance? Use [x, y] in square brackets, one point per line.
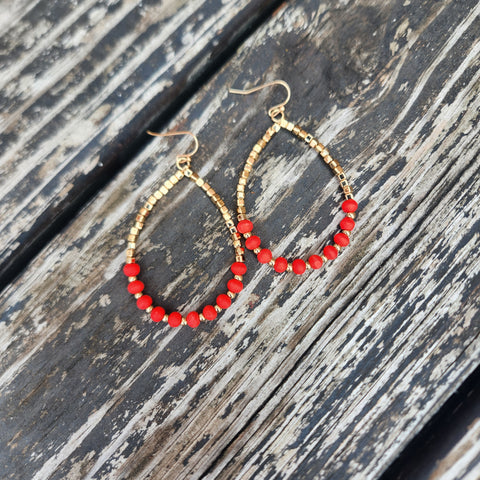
[80, 82]
[325, 376]
[447, 443]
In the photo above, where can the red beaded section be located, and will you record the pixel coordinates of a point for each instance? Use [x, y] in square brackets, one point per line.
[135, 287]
[349, 206]
[175, 319]
[299, 266]
[193, 319]
[264, 255]
[341, 239]
[144, 302]
[209, 312]
[157, 314]
[224, 301]
[280, 265]
[245, 226]
[330, 252]
[131, 269]
[348, 224]
[252, 242]
[238, 268]
[235, 286]
[315, 261]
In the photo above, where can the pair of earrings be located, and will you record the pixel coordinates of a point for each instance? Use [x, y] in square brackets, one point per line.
[244, 226]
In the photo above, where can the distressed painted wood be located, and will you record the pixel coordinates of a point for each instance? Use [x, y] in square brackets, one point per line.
[328, 375]
[79, 84]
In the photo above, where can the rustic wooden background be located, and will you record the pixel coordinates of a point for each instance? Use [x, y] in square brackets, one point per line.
[366, 369]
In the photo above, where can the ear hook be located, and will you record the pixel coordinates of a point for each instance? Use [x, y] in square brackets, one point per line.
[277, 109]
[183, 160]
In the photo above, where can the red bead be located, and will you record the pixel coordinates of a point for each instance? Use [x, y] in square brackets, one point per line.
[144, 302]
[347, 223]
[175, 319]
[131, 269]
[341, 239]
[235, 285]
[349, 206]
[136, 286]
[157, 314]
[330, 252]
[224, 301]
[238, 268]
[193, 319]
[281, 264]
[209, 312]
[252, 242]
[245, 226]
[299, 266]
[315, 261]
[264, 255]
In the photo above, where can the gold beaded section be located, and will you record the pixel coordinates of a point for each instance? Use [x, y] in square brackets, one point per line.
[144, 212]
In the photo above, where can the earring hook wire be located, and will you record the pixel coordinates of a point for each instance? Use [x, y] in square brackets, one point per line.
[275, 110]
[183, 160]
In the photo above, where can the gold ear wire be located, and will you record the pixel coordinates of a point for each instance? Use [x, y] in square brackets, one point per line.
[275, 110]
[183, 160]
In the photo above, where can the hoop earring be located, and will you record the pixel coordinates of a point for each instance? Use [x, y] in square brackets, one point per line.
[245, 226]
[132, 268]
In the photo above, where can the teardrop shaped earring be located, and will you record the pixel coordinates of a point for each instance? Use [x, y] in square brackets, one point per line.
[245, 226]
[132, 268]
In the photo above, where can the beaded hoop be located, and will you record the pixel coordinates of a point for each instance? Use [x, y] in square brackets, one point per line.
[132, 268]
[245, 226]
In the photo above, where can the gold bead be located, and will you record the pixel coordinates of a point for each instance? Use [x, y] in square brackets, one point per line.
[200, 182]
[130, 253]
[132, 245]
[152, 200]
[132, 238]
[163, 189]
[132, 279]
[138, 295]
[289, 267]
[257, 250]
[138, 225]
[140, 218]
[217, 308]
[231, 294]
[149, 309]
[143, 211]
[134, 231]
[257, 148]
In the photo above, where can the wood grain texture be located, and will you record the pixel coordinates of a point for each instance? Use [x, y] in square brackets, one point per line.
[79, 84]
[321, 376]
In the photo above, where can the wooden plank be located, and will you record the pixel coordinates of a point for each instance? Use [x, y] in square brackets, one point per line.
[325, 375]
[449, 445]
[80, 83]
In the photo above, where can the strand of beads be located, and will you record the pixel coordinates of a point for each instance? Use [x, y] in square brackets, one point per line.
[132, 269]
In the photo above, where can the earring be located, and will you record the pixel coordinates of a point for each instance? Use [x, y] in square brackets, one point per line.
[245, 226]
[132, 268]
